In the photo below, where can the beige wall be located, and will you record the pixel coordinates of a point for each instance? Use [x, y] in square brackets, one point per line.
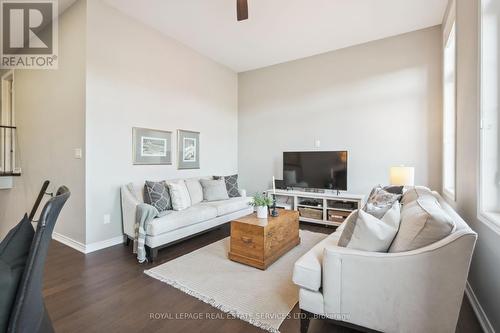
[484, 275]
[50, 112]
[138, 77]
[381, 101]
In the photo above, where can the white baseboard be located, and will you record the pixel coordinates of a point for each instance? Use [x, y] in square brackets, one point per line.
[104, 244]
[69, 242]
[478, 310]
[92, 247]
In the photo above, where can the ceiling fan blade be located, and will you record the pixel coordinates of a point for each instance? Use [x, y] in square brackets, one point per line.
[242, 9]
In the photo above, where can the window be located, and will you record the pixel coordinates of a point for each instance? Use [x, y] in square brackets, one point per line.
[449, 114]
[489, 187]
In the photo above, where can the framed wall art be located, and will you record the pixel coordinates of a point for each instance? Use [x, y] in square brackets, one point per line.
[188, 143]
[151, 146]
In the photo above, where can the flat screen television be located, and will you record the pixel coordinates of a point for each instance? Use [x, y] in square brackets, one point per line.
[315, 170]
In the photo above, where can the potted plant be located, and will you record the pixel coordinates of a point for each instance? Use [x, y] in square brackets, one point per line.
[261, 202]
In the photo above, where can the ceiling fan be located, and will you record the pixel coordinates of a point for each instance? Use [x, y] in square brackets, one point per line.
[242, 9]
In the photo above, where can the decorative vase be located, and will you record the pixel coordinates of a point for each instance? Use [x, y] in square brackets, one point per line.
[262, 212]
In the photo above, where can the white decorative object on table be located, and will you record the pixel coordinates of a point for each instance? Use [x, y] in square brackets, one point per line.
[262, 212]
[261, 202]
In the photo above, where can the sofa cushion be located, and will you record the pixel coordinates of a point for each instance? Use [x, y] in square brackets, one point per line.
[231, 185]
[423, 222]
[195, 190]
[14, 251]
[380, 201]
[395, 189]
[365, 232]
[214, 189]
[307, 270]
[157, 195]
[230, 205]
[178, 219]
[179, 195]
[413, 193]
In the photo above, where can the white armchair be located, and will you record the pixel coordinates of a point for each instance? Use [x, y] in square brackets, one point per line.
[415, 291]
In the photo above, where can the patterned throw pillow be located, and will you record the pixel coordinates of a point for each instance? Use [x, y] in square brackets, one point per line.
[394, 189]
[157, 195]
[231, 185]
[380, 201]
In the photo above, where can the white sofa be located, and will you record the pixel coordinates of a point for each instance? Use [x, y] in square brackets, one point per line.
[179, 225]
[415, 291]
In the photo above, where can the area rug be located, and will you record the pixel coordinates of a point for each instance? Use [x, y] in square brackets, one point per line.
[262, 298]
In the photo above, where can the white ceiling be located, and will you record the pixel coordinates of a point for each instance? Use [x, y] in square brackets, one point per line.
[280, 30]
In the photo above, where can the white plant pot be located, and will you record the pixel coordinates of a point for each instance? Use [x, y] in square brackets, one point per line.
[262, 212]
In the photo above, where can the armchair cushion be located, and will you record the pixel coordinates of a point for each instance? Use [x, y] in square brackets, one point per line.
[423, 222]
[307, 270]
[415, 193]
[367, 233]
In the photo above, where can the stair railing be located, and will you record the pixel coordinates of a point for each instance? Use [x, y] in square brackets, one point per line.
[8, 151]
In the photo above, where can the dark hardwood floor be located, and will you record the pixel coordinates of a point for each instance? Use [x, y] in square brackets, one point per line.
[107, 291]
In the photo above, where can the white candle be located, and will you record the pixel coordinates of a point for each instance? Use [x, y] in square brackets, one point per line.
[274, 188]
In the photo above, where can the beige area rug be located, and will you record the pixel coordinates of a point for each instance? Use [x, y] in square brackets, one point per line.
[262, 298]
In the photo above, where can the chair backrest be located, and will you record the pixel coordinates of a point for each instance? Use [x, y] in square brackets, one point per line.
[28, 313]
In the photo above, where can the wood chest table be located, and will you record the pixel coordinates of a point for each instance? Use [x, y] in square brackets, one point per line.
[260, 242]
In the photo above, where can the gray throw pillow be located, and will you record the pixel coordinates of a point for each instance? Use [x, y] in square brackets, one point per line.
[214, 189]
[157, 195]
[231, 185]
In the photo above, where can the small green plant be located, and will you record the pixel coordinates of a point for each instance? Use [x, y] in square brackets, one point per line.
[261, 200]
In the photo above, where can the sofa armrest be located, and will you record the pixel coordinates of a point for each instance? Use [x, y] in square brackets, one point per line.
[129, 208]
[242, 192]
[419, 291]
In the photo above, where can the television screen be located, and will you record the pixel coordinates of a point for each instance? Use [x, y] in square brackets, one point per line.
[316, 169]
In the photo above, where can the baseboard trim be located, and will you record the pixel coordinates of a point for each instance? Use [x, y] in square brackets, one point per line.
[478, 310]
[69, 242]
[92, 247]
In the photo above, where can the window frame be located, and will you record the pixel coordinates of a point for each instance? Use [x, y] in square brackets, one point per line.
[449, 27]
[485, 217]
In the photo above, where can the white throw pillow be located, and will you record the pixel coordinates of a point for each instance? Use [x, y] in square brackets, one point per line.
[365, 232]
[179, 195]
[195, 190]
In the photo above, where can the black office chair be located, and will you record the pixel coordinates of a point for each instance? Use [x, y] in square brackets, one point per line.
[28, 313]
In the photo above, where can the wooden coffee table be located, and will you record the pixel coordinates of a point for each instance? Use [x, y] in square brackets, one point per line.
[260, 242]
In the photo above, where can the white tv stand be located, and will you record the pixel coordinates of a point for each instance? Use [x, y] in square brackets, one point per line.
[325, 207]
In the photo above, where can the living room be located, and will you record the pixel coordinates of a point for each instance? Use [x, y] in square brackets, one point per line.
[171, 122]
